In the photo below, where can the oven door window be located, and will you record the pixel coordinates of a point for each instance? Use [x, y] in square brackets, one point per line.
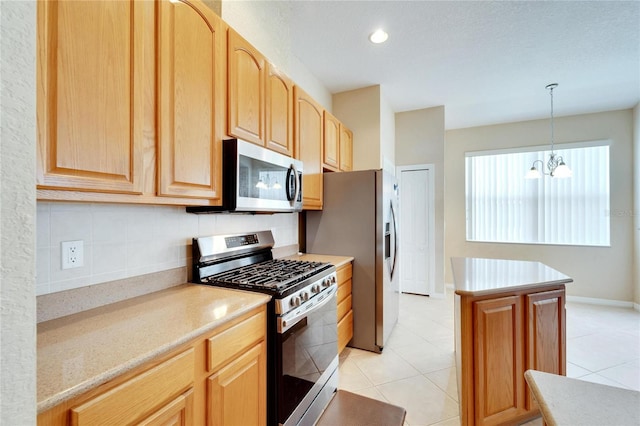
[307, 350]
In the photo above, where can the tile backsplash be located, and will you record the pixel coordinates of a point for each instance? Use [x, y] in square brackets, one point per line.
[122, 241]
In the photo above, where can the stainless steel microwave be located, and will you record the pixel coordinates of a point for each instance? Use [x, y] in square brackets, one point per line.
[255, 179]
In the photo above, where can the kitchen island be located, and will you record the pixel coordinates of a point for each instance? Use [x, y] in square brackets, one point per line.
[509, 318]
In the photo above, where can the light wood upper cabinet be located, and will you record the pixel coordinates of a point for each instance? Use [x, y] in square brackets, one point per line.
[308, 139]
[191, 65]
[279, 111]
[91, 74]
[246, 90]
[331, 152]
[346, 149]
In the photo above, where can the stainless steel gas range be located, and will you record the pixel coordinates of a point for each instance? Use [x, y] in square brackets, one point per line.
[302, 348]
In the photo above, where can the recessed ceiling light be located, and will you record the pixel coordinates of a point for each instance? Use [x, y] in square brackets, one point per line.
[378, 36]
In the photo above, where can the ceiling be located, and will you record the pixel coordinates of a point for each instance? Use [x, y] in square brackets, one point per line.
[486, 62]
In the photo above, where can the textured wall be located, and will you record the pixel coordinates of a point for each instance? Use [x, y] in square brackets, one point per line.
[598, 272]
[17, 213]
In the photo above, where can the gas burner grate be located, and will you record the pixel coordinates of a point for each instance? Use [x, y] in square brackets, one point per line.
[276, 274]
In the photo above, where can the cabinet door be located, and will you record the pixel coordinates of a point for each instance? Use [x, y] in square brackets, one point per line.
[91, 73]
[237, 392]
[246, 89]
[498, 363]
[139, 396]
[191, 100]
[178, 412]
[546, 335]
[279, 112]
[331, 152]
[346, 149]
[308, 139]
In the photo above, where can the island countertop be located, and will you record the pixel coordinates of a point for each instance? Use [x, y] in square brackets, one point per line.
[565, 401]
[478, 276]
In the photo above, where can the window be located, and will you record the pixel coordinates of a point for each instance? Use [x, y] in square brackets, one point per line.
[503, 206]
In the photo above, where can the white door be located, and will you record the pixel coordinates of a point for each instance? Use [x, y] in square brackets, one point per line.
[416, 229]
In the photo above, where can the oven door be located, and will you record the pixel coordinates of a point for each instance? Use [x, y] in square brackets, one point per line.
[306, 360]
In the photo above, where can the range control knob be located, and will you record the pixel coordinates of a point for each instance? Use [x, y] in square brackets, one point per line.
[295, 301]
[315, 288]
[333, 279]
[305, 296]
[326, 282]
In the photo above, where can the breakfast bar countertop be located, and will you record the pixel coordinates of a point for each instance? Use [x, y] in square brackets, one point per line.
[565, 401]
[78, 352]
[478, 276]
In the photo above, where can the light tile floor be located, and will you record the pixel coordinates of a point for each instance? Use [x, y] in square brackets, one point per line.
[417, 367]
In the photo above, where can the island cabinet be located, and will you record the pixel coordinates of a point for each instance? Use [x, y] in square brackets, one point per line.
[509, 317]
[131, 101]
[213, 378]
[308, 142]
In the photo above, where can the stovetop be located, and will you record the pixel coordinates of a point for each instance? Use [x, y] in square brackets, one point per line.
[245, 261]
[276, 275]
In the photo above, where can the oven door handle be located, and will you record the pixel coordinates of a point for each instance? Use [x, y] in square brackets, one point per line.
[288, 320]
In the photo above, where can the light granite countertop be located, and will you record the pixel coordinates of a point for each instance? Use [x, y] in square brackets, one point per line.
[565, 401]
[336, 261]
[78, 352]
[477, 276]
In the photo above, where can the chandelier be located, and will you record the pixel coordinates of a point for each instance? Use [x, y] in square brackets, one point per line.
[556, 166]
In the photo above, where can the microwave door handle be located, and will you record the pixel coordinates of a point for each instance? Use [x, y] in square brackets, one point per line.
[293, 169]
[395, 240]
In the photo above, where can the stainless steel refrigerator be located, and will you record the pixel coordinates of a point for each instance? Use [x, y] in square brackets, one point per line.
[359, 219]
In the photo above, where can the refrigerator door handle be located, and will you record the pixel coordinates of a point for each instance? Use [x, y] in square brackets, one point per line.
[395, 240]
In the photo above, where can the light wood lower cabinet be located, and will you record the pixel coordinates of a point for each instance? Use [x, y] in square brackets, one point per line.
[345, 313]
[216, 379]
[498, 338]
[234, 391]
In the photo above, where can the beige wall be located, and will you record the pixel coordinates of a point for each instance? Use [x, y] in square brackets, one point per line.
[387, 135]
[420, 140]
[17, 213]
[636, 205]
[360, 111]
[598, 272]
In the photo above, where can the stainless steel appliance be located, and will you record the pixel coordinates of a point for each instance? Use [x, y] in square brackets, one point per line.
[255, 179]
[359, 219]
[302, 329]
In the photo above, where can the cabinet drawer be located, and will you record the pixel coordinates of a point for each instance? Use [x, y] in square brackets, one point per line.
[137, 397]
[345, 330]
[344, 290]
[344, 273]
[233, 341]
[344, 307]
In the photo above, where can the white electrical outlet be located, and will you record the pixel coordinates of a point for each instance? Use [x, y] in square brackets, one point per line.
[72, 254]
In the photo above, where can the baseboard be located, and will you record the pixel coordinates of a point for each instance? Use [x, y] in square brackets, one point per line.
[603, 302]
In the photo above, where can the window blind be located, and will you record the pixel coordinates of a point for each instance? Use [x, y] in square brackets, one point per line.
[503, 206]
